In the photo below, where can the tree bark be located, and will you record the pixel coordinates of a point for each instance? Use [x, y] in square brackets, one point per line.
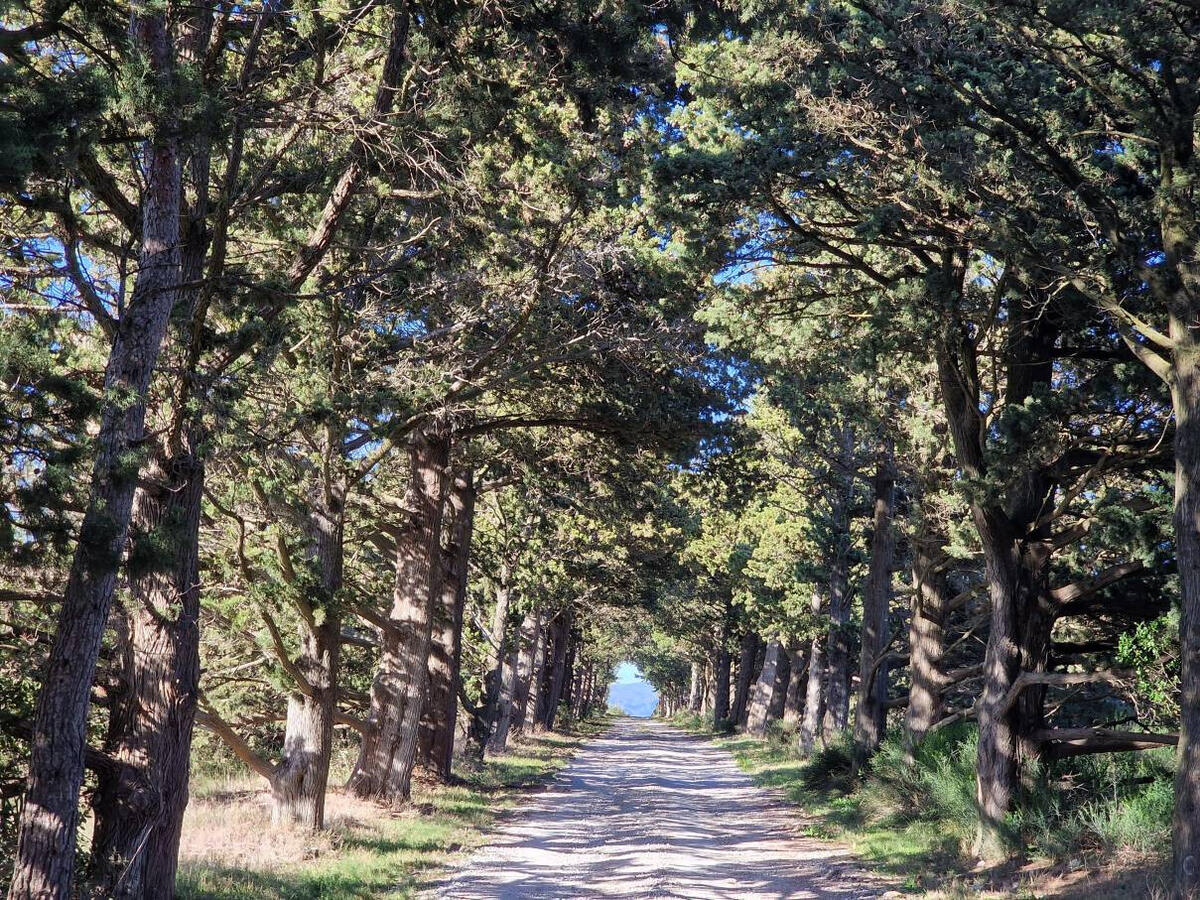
[45, 854]
[837, 665]
[870, 718]
[765, 690]
[500, 670]
[531, 638]
[298, 787]
[747, 656]
[557, 667]
[436, 747]
[1186, 401]
[926, 640]
[385, 762]
[721, 666]
[1015, 560]
[793, 701]
[814, 694]
[139, 805]
[696, 691]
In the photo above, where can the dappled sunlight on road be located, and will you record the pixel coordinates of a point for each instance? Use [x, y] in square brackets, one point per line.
[646, 811]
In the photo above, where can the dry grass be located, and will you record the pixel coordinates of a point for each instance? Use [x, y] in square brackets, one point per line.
[230, 850]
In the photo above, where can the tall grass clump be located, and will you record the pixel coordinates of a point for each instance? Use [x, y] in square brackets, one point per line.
[935, 784]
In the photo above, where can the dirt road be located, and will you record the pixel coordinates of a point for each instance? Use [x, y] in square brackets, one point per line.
[645, 811]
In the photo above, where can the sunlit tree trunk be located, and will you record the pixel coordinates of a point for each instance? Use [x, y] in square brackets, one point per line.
[500, 667]
[926, 640]
[385, 762]
[139, 805]
[1186, 400]
[531, 636]
[814, 694]
[435, 750]
[765, 690]
[696, 691]
[43, 864]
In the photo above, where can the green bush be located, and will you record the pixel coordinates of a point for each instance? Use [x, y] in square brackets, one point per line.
[936, 784]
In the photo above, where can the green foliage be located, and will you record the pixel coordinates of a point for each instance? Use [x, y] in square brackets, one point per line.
[1150, 650]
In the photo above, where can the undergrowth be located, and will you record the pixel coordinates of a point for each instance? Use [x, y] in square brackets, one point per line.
[231, 853]
[913, 817]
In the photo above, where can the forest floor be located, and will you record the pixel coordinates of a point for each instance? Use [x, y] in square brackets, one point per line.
[647, 811]
[230, 852]
[924, 859]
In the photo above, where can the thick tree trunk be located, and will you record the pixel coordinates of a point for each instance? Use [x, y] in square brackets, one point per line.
[783, 671]
[531, 636]
[837, 665]
[814, 697]
[765, 690]
[500, 674]
[926, 640]
[139, 805]
[385, 762]
[870, 717]
[534, 703]
[696, 691]
[721, 666]
[1015, 560]
[557, 667]
[568, 680]
[45, 853]
[298, 788]
[793, 699]
[1186, 398]
[435, 751]
[745, 677]
[504, 706]
[996, 763]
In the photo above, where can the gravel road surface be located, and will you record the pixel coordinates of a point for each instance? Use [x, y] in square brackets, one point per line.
[647, 811]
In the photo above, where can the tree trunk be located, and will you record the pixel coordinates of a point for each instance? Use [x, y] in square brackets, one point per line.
[139, 805]
[504, 705]
[745, 677]
[385, 761]
[926, 640]
[557, 667]
[695, 694]
[435, 751]
[1186, 400]
[45, 853]
[837, 666]
[793, 701]
[870, 717]
[500, 674]
[765, 689]
[531, 637]
[568, 680]
[814, 696]
[298, 788]
[721, 666]
[783, 671]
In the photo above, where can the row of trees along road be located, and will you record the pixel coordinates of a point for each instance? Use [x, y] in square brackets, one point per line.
[395, 369]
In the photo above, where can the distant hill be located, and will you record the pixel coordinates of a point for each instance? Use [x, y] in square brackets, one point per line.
[635, 698]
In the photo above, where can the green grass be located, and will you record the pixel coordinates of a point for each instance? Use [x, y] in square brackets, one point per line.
[368, 852]
[915, 821]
